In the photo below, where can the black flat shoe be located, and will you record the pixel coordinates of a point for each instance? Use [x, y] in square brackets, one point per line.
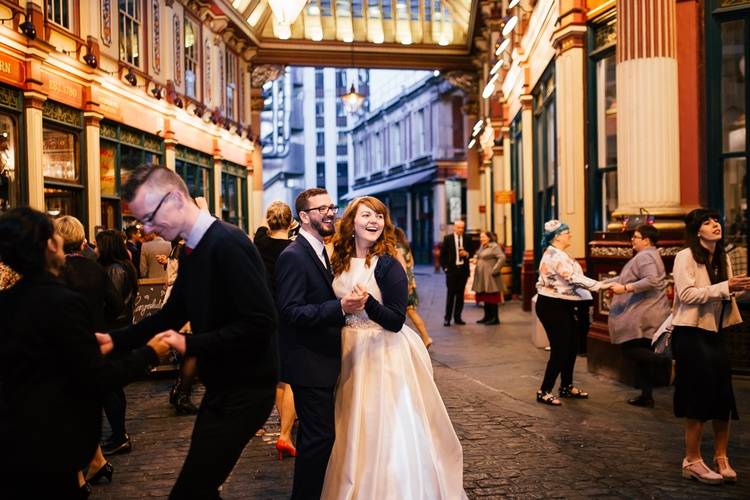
[104, 472]
[493, 322]
[115, 447]
[446, 323]
[184, 406]
[573, 392]
[642, 401]
[459, 321]
[482, 321]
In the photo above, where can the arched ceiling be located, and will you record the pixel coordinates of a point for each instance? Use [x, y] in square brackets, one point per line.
[428, 34]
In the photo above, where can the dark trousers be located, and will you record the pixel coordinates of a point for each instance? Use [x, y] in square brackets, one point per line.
[315, 435]
[226, 422]
[647, 362]
[455, 281]
[558, 316]
[114, 407]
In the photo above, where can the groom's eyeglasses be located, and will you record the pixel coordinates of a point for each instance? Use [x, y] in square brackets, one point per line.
[323, 209]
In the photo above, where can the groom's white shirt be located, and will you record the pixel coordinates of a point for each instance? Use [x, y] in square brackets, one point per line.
[317, 245]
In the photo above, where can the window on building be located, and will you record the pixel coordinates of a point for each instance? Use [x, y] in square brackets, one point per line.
[340, 82]
[231, 83]
[196, 169]
[359, 159]
[342, 144]
[58, 11]
[320, 138]
[319, 78]
[130, 31]
[395, 146]
[192, 69]
[342, 178]
[340, 111]
[545, 154]
[377, 157]
[320, 174]
[603, 121]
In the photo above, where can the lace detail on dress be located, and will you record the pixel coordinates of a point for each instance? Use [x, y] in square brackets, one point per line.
[360, 322]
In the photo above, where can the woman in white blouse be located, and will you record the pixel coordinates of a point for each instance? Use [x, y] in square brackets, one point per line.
[703, 306]
[562, 289]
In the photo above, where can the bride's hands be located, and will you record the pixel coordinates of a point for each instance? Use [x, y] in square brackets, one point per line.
[353, 301]
[361, 290]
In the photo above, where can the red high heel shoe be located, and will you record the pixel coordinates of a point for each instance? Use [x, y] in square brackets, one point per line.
[285, 447]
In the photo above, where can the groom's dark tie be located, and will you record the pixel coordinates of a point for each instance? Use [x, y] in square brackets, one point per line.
[328, 262]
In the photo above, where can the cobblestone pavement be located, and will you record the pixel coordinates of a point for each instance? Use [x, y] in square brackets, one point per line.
[513, 447]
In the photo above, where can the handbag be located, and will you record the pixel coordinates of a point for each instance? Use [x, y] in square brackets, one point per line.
[662, 340]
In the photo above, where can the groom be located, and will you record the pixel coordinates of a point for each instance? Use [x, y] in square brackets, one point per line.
[311, 318]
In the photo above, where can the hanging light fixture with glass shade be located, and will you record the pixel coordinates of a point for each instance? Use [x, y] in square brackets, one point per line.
[352, 100]
[285, 13]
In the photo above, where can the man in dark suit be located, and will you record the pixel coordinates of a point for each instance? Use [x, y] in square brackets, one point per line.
[454, 259]
[222, 290]
[311, 318]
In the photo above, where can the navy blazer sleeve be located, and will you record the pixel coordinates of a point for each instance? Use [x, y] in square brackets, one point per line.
[393, 283]
[291, 290]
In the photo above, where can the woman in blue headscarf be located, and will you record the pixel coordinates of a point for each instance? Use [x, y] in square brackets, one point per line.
[562, 289]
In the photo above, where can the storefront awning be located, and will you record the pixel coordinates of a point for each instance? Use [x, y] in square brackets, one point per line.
[403, 182]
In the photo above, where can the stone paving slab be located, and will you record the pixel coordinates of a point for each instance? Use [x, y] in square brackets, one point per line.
[513, 446]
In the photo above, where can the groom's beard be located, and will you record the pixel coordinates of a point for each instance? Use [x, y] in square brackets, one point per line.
[323, 229]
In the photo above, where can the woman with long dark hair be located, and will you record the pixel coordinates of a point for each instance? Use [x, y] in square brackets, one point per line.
[52, 373]
[113, 257]
[703, 306]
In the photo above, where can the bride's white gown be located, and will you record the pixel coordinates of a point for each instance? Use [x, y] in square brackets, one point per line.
[394, 439]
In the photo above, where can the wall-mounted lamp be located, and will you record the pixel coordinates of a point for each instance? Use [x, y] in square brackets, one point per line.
[157, 92]
[131, 78]
[26, 27]
[90, 59]
[178, 102]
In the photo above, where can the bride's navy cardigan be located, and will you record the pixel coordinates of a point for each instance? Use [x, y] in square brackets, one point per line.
[393, 283]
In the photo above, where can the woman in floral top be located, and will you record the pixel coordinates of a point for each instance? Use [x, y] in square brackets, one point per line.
[562, 289]
[8, 277]
[412, 300]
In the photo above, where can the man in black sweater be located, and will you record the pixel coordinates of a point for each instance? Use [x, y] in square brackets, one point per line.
[221, 289]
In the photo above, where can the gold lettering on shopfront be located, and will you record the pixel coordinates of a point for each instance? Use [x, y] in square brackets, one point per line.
[56, 87]
[6, 67]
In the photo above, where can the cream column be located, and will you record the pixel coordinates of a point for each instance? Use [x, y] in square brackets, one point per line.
[217, 185]
[255, 179]
[33, 103]
[648, 154]
[570, 66]
[170, 144]
[473, 162]
[527, 126]
[441, 212]
[91, 120]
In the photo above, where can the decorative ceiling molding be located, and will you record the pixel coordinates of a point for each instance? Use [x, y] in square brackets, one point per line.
[263, 73]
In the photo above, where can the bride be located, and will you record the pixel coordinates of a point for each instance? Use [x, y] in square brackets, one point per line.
[394, 439]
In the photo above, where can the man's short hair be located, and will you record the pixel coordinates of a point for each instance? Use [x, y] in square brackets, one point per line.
[650, 232]
[278, 216]
[131, 231]
[301, 202]
[72, 232]
[154, 176]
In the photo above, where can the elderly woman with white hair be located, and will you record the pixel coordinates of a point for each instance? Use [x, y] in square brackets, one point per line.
[562, 289]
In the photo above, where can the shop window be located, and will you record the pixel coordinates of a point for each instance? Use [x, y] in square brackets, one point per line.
[728, 150]
[320, 174]
[342, 177]
[195, 168]
[60, 156]
[9, 180]
[545, 154]
[230, 203]
[192, 58]
[603, 125]
[59, 12]
[130, 31]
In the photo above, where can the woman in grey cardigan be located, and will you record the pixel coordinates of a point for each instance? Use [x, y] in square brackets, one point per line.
[488, 283]
[639, 307]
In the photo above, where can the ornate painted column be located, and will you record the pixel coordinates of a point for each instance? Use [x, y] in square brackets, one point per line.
[648, 142]
[216, 209]
[570, 68]
[91, 121]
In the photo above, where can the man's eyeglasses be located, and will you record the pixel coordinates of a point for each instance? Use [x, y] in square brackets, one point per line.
[636, 237]
[323, 209]
[149, 219]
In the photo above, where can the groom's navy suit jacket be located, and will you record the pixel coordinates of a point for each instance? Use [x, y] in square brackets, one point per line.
[310, 318]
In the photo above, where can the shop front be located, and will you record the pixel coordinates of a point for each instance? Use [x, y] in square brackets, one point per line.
[234, 194]
[63, 161]
[10, 162]
[196, 169]
[121, 150]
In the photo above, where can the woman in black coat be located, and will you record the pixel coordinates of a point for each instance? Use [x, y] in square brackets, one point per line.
[52, 373]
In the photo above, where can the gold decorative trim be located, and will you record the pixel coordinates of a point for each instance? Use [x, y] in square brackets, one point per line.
[152, 144]
[10, 98]
[108, 131]
[60, 113]
[130, 137]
